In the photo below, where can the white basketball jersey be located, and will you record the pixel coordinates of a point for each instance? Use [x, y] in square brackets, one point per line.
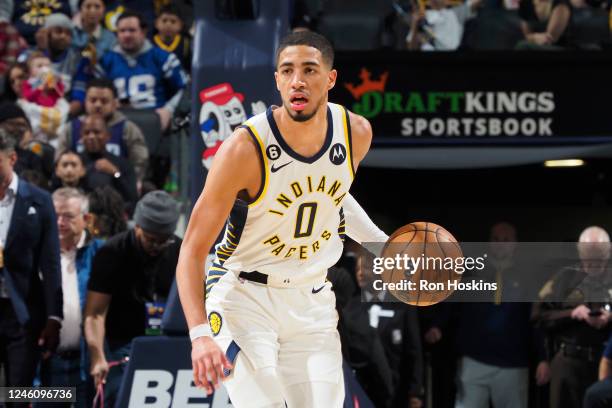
[295, 225]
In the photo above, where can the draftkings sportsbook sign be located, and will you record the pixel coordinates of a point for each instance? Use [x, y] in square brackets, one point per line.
[464, 99]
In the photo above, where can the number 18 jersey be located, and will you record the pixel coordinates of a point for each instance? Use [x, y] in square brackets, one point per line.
[294, 227]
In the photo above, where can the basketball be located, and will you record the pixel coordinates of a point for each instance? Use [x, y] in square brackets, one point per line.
[428, 242]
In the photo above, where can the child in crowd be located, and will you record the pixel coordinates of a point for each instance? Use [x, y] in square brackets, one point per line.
[43, 86]
[42, 99]
[171, 35]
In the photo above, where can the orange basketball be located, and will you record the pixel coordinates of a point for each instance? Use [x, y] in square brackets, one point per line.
[436, 248]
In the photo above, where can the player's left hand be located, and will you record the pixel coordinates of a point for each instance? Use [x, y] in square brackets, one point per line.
[208, 362]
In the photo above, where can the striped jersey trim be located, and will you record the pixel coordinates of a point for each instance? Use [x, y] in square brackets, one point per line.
[348, 139]
[264, 165]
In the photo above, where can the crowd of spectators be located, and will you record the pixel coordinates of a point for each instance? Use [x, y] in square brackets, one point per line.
[67, 60]
[448, 25]
[87, 241]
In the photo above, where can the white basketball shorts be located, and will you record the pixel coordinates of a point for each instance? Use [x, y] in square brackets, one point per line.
[283, 343]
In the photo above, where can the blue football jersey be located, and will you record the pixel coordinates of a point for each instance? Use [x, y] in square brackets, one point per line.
[147, 80]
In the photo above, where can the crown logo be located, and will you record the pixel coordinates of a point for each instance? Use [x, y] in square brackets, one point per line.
[367, 84]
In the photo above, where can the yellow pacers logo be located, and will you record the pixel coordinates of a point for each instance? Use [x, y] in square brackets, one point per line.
[215, 321]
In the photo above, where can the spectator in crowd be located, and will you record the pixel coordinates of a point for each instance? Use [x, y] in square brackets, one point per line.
[146, 8]
[544, 22]
[14, 121]
[393, 325]
[36, 179]
[599, 395]
[42, 99]
[55, 39]
[577, 327]
[440, 28]
[30, 278]
[126, 138]
[15, 75]
[104, 168]
[68, 367]
[11, 45]
[70, 172]
[440, 354]
[149, 9]
[89, 32]
[106, 215]
[344, 289]
[132, 270]
[145, 76]
[484, 373]
[43, 86]
[171, 35]
[29, 16]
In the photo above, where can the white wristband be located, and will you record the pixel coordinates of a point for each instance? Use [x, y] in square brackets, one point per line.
[201, 330]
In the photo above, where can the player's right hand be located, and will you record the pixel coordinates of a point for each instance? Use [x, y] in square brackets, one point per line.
[208, 362]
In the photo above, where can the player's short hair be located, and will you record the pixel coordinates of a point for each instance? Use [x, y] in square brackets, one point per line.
[311, 39]
[132, 14]
[104, 83]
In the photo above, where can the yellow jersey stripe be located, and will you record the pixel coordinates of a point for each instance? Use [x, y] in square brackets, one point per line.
[347, 140]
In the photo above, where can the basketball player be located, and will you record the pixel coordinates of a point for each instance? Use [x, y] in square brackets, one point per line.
[268, 328]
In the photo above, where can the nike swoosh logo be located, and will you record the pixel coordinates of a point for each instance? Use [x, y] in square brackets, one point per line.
[275, 169]
[318, 290]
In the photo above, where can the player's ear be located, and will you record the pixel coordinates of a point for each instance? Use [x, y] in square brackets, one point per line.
[331, 79]
[276, 79]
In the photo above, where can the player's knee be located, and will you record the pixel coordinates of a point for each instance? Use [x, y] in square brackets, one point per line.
[257, 388]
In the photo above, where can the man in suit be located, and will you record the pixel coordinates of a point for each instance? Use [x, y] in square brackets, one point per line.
[30, 278]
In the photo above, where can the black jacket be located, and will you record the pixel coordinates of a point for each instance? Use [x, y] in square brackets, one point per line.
[31, 251]
[125, 184]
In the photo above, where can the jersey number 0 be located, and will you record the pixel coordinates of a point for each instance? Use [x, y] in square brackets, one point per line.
[300, 230]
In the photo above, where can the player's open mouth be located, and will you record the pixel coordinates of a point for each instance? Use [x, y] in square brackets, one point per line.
[298, 102]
